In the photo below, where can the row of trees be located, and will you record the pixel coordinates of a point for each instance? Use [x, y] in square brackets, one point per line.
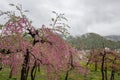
[105, 60]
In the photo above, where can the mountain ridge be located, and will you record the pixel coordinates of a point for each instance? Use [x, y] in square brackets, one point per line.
[113, 37]
[92, 40]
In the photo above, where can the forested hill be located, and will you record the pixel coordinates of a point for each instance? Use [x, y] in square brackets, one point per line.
[92, 40]
[113, 37]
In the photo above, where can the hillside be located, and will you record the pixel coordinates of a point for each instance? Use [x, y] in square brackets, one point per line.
[113, 37]
[92, 40]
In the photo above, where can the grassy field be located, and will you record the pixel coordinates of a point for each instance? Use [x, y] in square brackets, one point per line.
[93, 75]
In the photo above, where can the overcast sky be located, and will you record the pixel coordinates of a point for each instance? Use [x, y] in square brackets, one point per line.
[99, 16]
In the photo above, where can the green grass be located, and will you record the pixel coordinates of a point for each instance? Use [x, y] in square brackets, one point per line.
[4, 73]
[73, 75]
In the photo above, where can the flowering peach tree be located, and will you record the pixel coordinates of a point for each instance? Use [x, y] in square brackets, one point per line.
[26, 49]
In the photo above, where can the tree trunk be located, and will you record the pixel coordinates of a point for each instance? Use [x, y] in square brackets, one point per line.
[112, 75]
[25, 66]
[113, 71]
[71, 65]
[38, 67]
[11, 72]
[106, 73]
[102, 66]
[96, 65]
[0, 63]
[66, 77]
[33, 71]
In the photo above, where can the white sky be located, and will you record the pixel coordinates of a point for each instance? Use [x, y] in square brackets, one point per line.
[99, 16]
